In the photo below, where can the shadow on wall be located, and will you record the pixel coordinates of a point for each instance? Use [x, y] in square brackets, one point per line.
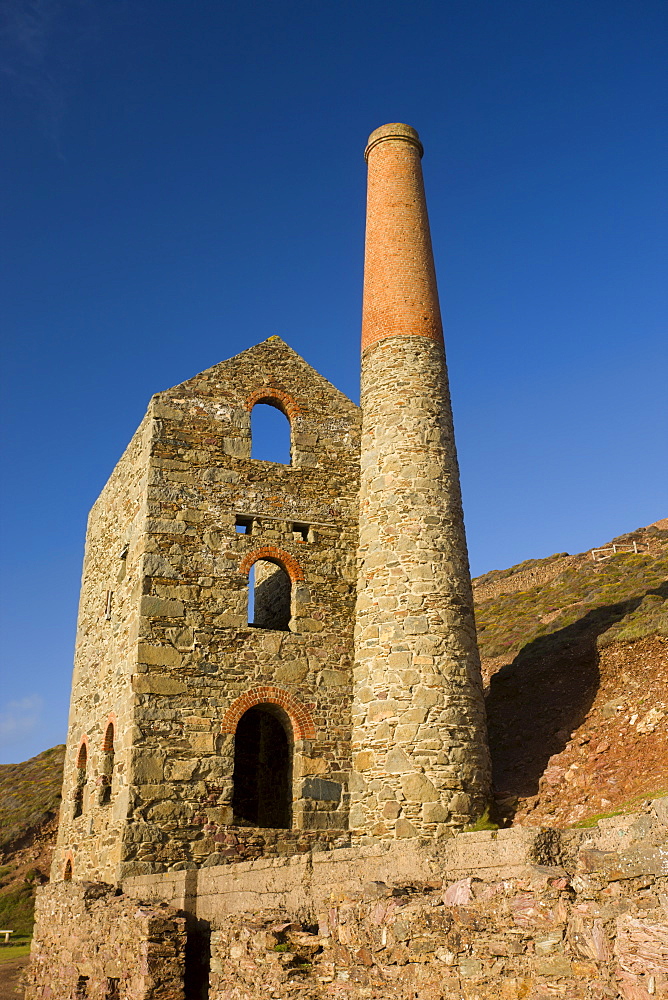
[537, 701]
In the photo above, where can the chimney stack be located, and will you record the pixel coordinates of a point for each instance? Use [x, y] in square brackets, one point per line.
[420, 757]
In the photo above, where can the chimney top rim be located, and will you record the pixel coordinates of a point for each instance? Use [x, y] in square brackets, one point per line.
[397, 131]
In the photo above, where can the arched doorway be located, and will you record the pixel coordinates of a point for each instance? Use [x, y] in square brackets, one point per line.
[263, 769]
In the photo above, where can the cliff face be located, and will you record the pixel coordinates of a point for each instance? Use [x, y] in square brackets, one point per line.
[575, 659]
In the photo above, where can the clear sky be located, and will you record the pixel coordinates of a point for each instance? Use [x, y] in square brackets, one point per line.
[184, 178]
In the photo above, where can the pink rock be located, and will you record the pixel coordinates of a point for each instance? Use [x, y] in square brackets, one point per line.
[459, 893]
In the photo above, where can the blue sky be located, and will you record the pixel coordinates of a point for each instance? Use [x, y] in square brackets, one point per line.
[183, 179]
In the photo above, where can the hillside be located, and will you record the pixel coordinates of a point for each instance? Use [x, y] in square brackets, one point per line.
[29, 803]
[575, 658]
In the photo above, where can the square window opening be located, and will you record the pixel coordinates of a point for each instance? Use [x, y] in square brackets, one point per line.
[244, 525]
[300, 532]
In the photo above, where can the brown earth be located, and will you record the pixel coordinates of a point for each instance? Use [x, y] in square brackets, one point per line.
[578, 706]
[10, 974]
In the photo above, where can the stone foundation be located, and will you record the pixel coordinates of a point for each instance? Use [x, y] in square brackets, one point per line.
[91, 943]
[518, 913]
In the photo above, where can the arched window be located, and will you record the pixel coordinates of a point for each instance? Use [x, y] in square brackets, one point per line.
[107, 776]
[269, 596]
[270, 433]
[81, 778]
[263, 768]
[67, 874]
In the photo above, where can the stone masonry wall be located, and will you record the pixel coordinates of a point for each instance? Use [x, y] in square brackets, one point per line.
[517, 913]
[421, 764]
[170, 658]
[103, 666]
[419, 732]
[197, 657]
[91, 944]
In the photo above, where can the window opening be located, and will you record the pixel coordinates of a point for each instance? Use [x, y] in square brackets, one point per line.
[300, 532]
[67, 874]
[113, 989]
[107, 604]
[244, 525]
[269, 596]
[270, 434]
[107, 775]
[262, 770]
[81, 777]
[82, 988]
[123, 557]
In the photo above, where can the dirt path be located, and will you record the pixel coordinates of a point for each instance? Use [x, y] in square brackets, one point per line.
[9, 978]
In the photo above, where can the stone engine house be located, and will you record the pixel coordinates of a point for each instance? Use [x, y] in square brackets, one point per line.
[346, 704]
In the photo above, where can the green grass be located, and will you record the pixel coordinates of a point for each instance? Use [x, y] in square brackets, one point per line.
[482, 823]
[29, 793]
[17, 948]
[17, 909]
[624, 809]
[619, 599]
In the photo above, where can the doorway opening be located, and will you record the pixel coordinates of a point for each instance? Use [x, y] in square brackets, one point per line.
[263, 769]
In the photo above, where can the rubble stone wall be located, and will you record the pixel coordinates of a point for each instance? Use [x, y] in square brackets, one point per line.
[517, 914]
[197, 654]
[576, 914]
[91, 944]
[104, 660]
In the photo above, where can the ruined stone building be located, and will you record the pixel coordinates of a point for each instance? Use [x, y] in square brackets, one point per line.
[277, 720]
[349, 706]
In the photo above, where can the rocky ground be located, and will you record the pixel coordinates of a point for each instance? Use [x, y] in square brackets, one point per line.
[577, 706]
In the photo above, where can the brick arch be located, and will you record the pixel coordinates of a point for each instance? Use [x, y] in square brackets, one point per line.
[111, 722]
[273, 554]
[83, 744]
[109, 735]
[275, 397]
[298, 713]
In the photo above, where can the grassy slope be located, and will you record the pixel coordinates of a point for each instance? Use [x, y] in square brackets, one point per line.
[553, 654]
[624, 595]
[29, 801]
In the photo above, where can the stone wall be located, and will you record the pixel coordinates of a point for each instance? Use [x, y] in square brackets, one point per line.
[91, 944]
[105, 655]
[519, 913]
[164, 648]
[514, 914]
[419, 733]
[198, 657]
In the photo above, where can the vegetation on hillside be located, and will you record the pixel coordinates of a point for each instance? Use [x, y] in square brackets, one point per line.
[30, 794]
[574, 666]
[625, 593]
[29, 802]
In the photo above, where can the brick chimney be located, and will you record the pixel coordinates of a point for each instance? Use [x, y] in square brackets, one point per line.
[420, 758]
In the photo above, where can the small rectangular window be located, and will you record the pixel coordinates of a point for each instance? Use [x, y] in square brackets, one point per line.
[82, 988]
[244, 525]
[107, 605]
[113, 990]
[300, 532]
